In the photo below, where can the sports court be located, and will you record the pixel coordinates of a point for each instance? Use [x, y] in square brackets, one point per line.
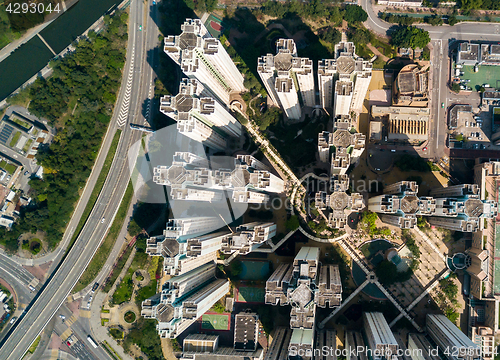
[255, 270]
[214, 321]
[487, 74]
[249, 294]
[214, 26]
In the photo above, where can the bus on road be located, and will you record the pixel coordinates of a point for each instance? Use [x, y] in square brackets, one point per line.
[91, 341]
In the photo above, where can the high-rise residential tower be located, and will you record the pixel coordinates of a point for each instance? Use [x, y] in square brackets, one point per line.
[288, 79]
[194, 102]
[203, 58]
[344, 80]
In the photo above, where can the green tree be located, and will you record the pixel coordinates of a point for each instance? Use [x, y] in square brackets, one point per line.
[410, 36]
[452, 20]
[434, 20]
[236, 268]
[354, 13]
[292, 223]
[331, 35]
[455, 87]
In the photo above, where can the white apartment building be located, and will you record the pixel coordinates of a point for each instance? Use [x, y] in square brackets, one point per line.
[248, 237]
[450, 339]
[379, 335]
[346, 67]
[193, 101]
[204, 58]
[288, 79]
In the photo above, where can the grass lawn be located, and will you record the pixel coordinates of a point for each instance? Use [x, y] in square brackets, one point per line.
[98, 185]
[146, 292]
[118, 268]
[20, 122]
[10, 168]
[102, 253]
[27, 145]
[33, 346]
[123, 292]
[6, 33]
[15, 138]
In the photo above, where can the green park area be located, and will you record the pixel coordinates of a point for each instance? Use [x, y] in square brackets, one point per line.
[15, 138]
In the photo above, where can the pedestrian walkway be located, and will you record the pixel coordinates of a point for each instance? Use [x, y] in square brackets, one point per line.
[101, 332]
[430, 243]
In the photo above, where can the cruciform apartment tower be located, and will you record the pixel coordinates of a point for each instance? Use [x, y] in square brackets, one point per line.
[288, 79]
[199, 116]
[455, 207]
[203, 58]
[344, 80]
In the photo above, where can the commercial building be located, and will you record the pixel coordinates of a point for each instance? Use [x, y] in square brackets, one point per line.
[246, 331]
[288, 79]
[203, 58]
[459, 211]
[468, 54]
[344, 80]
[248, 237]
[224, 353]
[449, 337]
[402, 3]
[381, 340]
[411, 86]
[194, 102]
[184, 299]
[484, 338]
[403, 124]
[191, 178]
[459, 113]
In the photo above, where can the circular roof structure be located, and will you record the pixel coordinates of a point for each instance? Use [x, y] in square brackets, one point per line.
[409, 204]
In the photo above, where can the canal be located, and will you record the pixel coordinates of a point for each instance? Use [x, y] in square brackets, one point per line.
[33, 56]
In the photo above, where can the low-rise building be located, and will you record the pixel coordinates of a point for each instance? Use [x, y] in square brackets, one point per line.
[468, 54]
[403, 124]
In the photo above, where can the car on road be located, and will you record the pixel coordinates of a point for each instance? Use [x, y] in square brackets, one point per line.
[26, 173]
[442, 105]
[393, 150]
[103, 220]
[424, 149]
[13, 320]
[140, 27]
[94, 288]
[62, 317]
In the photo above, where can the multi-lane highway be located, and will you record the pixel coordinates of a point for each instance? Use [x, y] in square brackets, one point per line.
[60, 284]
[441, 37]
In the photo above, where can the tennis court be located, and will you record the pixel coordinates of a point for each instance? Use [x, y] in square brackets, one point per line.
[215, 321]
[250, 294]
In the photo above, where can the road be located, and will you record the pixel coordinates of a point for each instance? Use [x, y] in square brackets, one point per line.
[441, 37]
[60, 284]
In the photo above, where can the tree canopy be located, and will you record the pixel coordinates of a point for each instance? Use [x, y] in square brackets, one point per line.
[410, 36]
[355, 13]
[89, 77]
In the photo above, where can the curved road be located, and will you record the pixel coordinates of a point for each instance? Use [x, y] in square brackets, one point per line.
[60, 284]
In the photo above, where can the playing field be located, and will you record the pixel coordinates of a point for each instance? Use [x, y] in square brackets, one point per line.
[251, 294]
[215, 321]
[214, 26]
